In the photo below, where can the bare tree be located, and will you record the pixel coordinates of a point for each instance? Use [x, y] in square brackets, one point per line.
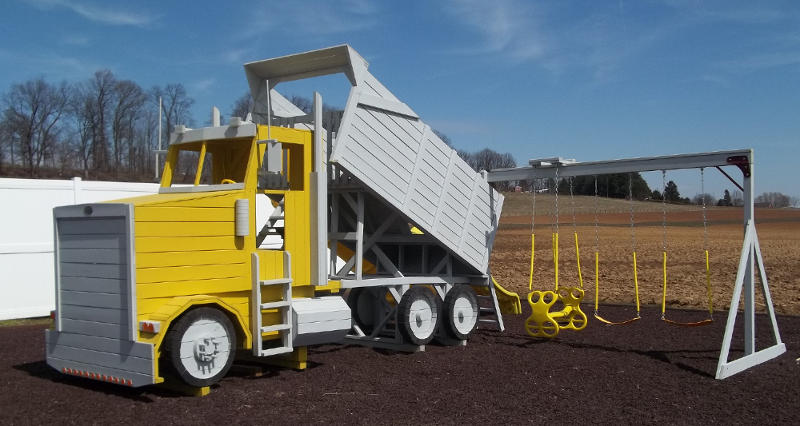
[31, 117]
[129, 99]
[699, 199]
[774, 200]
[80, 107]
[446, 139]
[303, 103]
[175, 104]
[242, 106]
[99, 92]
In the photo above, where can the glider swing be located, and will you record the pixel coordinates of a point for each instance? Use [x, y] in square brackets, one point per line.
[709, 294]
[542, 322]
[597, 259]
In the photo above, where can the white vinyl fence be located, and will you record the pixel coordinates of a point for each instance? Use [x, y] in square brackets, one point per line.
[26, 236]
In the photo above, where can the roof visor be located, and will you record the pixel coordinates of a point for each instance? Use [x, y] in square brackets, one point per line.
[331, 60]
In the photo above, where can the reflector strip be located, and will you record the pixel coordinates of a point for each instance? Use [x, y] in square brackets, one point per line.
[97, 376]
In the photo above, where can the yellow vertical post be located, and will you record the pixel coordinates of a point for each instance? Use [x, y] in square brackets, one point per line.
[664, 290]
[636, 282]
[199, 171]
[578, 257]
[555, 256]
[530, 280]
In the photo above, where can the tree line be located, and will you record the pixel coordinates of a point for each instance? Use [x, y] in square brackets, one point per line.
[107, 128]
[100, 128]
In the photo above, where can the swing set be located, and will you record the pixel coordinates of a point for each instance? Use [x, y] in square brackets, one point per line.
[546, 323]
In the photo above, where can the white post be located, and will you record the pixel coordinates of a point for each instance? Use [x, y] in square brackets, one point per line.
[360, 236]
[76, 189]
[319, 205]
[749, 277]
[159, 136]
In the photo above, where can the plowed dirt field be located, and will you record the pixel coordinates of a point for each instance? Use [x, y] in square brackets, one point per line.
[615, 239]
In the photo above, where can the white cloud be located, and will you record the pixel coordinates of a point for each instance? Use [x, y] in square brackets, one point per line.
[102, 14]
[51, 64]
[74, 40]
[203, 85]
[314, 18]
[507, 27]
[605, 38]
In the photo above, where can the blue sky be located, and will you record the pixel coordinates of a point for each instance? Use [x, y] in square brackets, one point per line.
[589, 80]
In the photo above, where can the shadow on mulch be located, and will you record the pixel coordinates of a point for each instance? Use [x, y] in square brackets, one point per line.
[41, 370]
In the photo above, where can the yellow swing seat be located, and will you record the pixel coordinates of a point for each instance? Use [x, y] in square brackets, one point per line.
[543, 323]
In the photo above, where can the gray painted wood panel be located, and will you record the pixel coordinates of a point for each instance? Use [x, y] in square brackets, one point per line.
[104, 359]
[100, 315]
[91, 270]
[88, 226]
[101, 285]
[112, 256]
[92, 242]
[94, 299]
[101, 344]
[93, 328]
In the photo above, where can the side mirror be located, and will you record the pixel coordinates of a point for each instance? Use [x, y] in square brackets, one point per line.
[271, 174]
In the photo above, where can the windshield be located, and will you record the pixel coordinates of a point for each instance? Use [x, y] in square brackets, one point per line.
[206, 164]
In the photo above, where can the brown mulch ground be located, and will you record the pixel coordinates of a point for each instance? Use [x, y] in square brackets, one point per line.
[644, 372]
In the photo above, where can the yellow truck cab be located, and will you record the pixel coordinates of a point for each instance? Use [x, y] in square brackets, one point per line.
[270, 233]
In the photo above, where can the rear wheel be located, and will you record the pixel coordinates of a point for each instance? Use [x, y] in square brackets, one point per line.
[368, 307]
[202, 346]
[418, 315]
[461, 312]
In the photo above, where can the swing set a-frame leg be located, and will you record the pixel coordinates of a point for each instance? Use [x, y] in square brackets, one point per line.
[745, 275]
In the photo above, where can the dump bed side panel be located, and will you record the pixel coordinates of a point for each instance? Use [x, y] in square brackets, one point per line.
[387, 147]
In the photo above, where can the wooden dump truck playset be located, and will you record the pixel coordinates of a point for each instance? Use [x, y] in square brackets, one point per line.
[270, 234]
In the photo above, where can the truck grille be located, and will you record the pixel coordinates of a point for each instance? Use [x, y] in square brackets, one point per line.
[94, 271]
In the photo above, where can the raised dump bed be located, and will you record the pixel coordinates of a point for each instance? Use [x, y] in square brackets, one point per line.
[386, 146]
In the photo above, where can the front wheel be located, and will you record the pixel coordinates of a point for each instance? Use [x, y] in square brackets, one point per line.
[418, 315]
[201, 346]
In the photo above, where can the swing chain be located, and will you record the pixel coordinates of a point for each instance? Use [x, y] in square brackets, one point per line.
[630, 203]
[596, 221]
[705, 219]
[533, 203]
[572, 202]
[664, 210]
[556, 203]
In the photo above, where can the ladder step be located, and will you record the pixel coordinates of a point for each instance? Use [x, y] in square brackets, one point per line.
[275, 305]
[276, 327]
[275, 351]
[276, 281]
[483, 297]
[488, 320]
[482, 309]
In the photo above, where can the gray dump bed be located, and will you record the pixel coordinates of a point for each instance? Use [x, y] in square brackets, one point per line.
[385, 145]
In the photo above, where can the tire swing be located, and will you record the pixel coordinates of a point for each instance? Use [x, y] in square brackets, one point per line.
[597, 259]
[201, 346]
[709, 293]
[542, 322]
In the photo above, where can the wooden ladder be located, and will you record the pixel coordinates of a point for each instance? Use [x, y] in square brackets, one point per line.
[284, 305]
